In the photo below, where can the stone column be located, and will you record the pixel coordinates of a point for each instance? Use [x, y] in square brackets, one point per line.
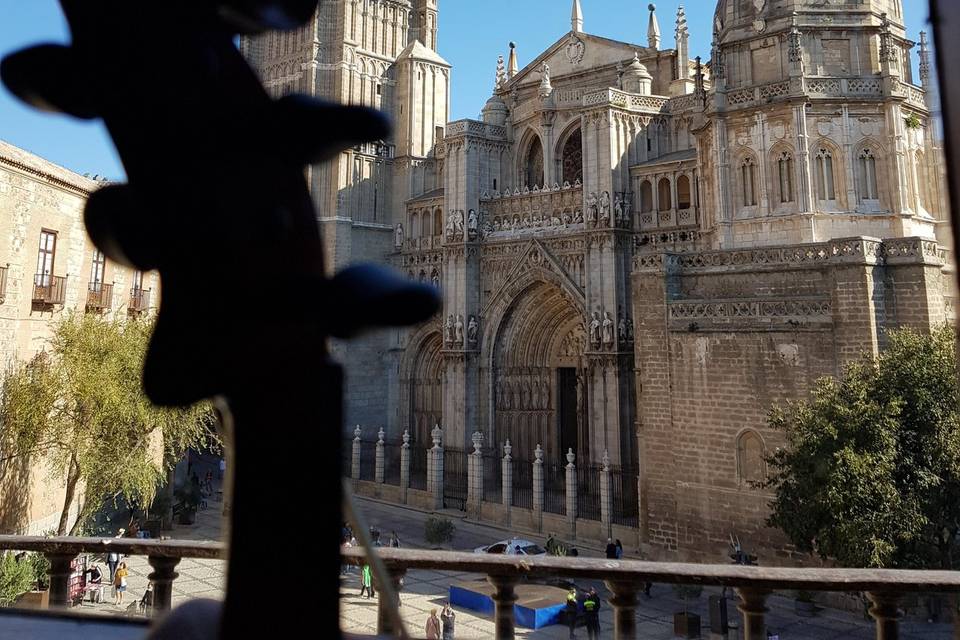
[606, 498]
[355, 462]
[405, 465]
[475, 476]
[59, 573]
[435, 477]
[538, 483]
[752, 606]
[624, 603]
[506, 478]
[162, 577]
[385, 623]
[886, 612]
[379, 468]
[503, 600]
[572, 493]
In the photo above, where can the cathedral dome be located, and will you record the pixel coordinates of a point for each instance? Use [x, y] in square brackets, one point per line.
[636, 78]
[495, 111]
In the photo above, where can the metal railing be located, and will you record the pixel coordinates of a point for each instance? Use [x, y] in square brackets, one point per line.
[49, 289]
[139, 300]
[99, 296]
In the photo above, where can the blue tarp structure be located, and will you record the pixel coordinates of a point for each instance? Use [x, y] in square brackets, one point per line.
[533, 616]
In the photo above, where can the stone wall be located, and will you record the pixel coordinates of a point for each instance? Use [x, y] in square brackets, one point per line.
[721, 337]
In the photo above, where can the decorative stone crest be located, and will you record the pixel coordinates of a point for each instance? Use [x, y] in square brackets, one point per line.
[575, 50]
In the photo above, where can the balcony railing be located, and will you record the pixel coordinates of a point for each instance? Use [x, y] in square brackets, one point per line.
[3, 283]
[49, 289]
[139, 300]
[623, 578]
[99, 296]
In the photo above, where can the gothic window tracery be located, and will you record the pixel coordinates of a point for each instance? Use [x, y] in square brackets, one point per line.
[785, 170]
[824, 168]
[533, 164]
[751, 462]
[868, 175]
[748, 178]
[573, 158]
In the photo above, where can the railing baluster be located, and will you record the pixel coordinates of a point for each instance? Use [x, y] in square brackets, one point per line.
[624, 603]
[885, 610]
[59, 573]
[503, 600]
[385, 625]
[752, 606]
[162, 577]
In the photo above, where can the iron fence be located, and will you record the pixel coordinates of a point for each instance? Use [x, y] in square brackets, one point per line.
[554, 488]
[522, 484]
[624, 499]
[418, 468]
[588, 491]
[346, 456]
[391, 463]
[368, 460]
[455, 465]
[493, 478]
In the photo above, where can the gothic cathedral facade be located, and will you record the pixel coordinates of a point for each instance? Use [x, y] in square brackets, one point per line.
[639, 253]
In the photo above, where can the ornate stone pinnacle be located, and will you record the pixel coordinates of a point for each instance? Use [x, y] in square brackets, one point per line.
[507, 450]
[606, 460]
[538, 454]
[380, 435]
[437, 435]
[356, 433]
[477, 441]
[571, 456]
[406, 437]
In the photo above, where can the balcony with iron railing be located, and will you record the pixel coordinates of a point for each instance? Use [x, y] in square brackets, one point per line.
[49, 290]
[139, 301]
[99, 296]
[624, 580]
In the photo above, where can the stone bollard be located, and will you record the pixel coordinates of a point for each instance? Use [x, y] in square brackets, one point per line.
[606, 497]
[378, 474]
[572, 493]
[435, 458]
[355, 462]
[475, 476]
[405, 466]
[538, 486]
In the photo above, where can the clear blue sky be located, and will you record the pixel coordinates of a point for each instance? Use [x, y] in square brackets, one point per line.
[472, 34]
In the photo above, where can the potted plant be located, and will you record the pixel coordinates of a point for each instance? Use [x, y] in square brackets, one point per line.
[686, 624]
[188, 501]
[804, 604]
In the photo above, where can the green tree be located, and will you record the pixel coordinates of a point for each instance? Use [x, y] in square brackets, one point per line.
[81, 408]
[16, 577]
[870, 474]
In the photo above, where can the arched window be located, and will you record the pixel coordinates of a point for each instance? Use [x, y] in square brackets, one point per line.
[646, 197]
[751, 462]
[663, 195]
[573, 158]
[824, 169]
[426, 224]
[437, 223]
[683, 192]
[868, 175]
[785, 166]
[533, 165]
[415, 225]
[748, 176]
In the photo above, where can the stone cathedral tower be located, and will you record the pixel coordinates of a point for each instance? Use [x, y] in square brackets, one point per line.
[382, 54]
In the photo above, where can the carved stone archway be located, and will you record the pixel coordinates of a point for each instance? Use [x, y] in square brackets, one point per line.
[424, 388]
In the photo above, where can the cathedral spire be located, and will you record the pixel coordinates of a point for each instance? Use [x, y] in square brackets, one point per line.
[653, 29]
[683, 45]
[512, 67]
[576, 17]
[501, 75]
[924, 60]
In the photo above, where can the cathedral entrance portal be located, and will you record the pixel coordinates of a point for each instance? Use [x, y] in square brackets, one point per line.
[537, 363]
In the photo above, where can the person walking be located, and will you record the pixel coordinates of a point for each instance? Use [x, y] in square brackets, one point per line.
[433, 626]
[366, 582]
[223, 467]
[394, 540]
[619, 549]
[592, 606]
[611, 550]
[120, 582]
[113, 559]
[571, 611]
[447, 617]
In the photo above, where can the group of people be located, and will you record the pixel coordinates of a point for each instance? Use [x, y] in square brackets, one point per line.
[441, 628]
[590, 603]
[348, 540]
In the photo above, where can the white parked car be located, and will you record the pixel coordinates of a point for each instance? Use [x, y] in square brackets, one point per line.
[513, 546]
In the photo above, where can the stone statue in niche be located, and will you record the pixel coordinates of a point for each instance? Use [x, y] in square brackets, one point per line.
[622, 328]
[458, 327]
[629, 329]
[594, 328]
[451, 334]
[458, 221]
[618, 209]
[578, 217]
[496, 224]
[398, 236]
[473, 328]
[436, 279]
[591, 209]
[605, 208]
[451, 224]
[472, 222]
[607, 328]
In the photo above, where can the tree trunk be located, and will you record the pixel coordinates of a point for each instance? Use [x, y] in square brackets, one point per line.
[73, 477]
